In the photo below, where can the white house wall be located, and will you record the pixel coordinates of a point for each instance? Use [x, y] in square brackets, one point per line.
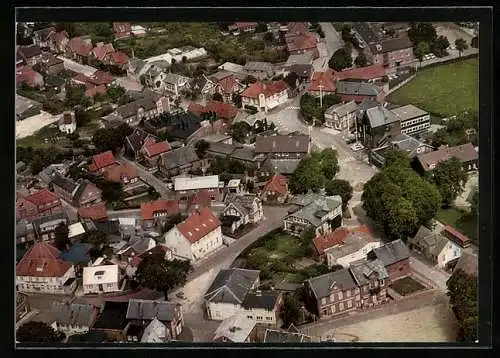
[221, 311]
[345, 261]
[209, 243]
[450, 252]
[178, 244]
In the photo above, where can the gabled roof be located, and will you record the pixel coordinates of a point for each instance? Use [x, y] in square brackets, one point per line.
[42, 197]
[380, 116]
[236, 328]
[282, 144]
[242, 202]
[342, 109]
[362, 73]
[467, 262]
[202, 199]
[138, 309]
[223, 110]
[323, 242]
[198, 225]
[74, 314]
[149, 208]
[261, 300]
[80, 46]
[302, 42]
[278, 184]
[324, 80]
[121, 27]
[357, 88]
[392, 252]
[258, 66]
[268, 89]
[178, 157]
[94, 212]
[231, 285]
[82, 186]
[305, 58]
[45, 33]
[313, 212]
[101, 50]
[154, 149]
[138, 138]
[29, 51]
[103, 160]
[391, 45]
[42, 260]
[117, 173]
[362, 270]
[464, 153]
[64, 183]
[119, 57]
[155, 332]
[322, 285]
[94, 91]
[59, 37]
[409, 112]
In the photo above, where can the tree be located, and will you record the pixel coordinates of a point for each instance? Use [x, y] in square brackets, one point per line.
[81, 116]
[115, 92]
[171, 221]
[268, 37]
[449, 177]
[461, 46]
[201, 148]
[239, 131]
[341, 59]
[462, 290]
[361, 60]
[291, 310]
[159, 274]
[218, 97]
[38, 332]
[474, 43]
[307, 176]
[249, 79]
[236, 98]
[440, 45]
[421, 50]
[291, 80]
[96, 238]
[75, 96]
[422, 32]
[261, 27]
[474, 202]
[61, 236]
[111, 138]
[401, 219]
[329, 163]
[342, 188]
[111, 192]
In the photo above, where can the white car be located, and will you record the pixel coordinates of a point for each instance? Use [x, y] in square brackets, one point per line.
[357, 147]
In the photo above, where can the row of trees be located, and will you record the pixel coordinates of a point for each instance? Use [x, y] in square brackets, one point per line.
[459, 130]
[399, 200]
[111, 138]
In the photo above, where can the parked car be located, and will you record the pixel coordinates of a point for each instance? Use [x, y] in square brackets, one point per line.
[357, 147]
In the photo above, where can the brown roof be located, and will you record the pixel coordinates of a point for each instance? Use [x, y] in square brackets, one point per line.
[200, 200]
[323, 242]
[468, 263]
[42, 260]
[59, 37]
[98, 78]
[361, 73]
[101, 50]
[119, 57]
[268, 89]
[94, 212]
[241, 25]
[42, 197]
[277, 184]
[456, 236]
[464, 153]
[116, 173]
[149, 208]
[303, 42]
[391, 45]
[325, 79]
[79, 46]
[198, 225]
[103, 160]
[154, 149]
[282, 144]
[121, 27]
[297, 27]
[50, 60]
[95, 90]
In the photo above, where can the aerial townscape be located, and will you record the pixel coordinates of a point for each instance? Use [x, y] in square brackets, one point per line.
[246, 182]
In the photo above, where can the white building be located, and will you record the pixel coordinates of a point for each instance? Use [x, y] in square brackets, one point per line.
[73, 318]
[354, 247]
[413, 119]
[41, 271]
[101, 278]
[188, 52]
[75, 230]
[341, 116]
[170, 82]
[196, 237]
[67, 123]
[265, 96]
[185, 184]
[247, 208]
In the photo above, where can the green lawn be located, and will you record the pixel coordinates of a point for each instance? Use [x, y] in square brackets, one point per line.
[443, 90]
[37, 140]
[406, 286]
[462, 221]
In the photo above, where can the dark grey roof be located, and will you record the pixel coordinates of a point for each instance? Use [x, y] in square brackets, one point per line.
[407, 143]
[300, 59]
[342, 108]
[468, 263]
[49, 218]
[391, 45]
[321, 285]
[64, 183]
[44, 33]
[392, 252]
[73, 314]
[264, 300]
[30, 51]
[258, 66]
[198, 83]
[183, 124]
[20, 165]
[137, 138]
[130, 109]
[433, 242]
[380, 116]
[82, 184]
[243, 202]
[148, 310]
[422, 233]
[362, 269]
[357, 88]
[55, 81]
[282, 166]
[246, 154]
[275, 336]
[366, 32]
[409, 112]
[223, 148]
[366, 104]
[231, 285]
[303, 71]
[314, 211]
[24, 103]
[178, 157]
[113, 316]
[282, 144]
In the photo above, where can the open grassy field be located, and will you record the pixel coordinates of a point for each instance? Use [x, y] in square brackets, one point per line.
[461, 220]
[443, 90]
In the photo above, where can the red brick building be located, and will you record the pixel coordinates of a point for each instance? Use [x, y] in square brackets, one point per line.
[41, 203]
[275, 190]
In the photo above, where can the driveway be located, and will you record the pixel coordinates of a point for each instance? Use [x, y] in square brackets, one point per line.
[148, 177]
[423, 268]
[333, 40]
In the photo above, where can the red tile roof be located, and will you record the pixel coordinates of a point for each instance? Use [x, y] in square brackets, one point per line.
[103, 160]
[159, 206]
[228, 84]
[154, 149]
[297, 27]
[94, 91]
[202, 199]
[278, 184]
[101, 50]
[29, 76]
[59, 37]
[80, 47]
[362, 73]
[116, 173]
[241, 25]
[268, 89]
[198, 225]
[119, 57]
[326, 79]
[196, 108]
[456, 236]
[303, 42]
[94, 212]
[223, 110]
[42, 197]
[121, 27]
[42, 260]
[323, 242]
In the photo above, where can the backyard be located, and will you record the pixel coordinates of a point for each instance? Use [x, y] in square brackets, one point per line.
[282, 258]
[406, 286]
[461, 220]
[443, 90]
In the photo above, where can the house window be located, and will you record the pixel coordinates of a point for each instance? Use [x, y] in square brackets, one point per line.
[356, 290]
[382, 282]
[349, 304]
[341, 306]
[259, 318]
[250, 317]
[332, 297]
[323, 301]
[323, 312]
[269, 318]
[110, 285]
[341, 295]
[348, 294]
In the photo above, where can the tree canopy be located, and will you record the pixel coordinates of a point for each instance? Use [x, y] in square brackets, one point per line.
[339, 187]
[311, 110]
[449, 177]
[340, 59]
[239, 131]
[421, 50]
[455, 131]
[61, 236]
[461, 45]
[422, 32]
[313, 171]
[398, 199]
[361, 59]
[111, 138]
[291, 310]
[462, 290]
[38, 332]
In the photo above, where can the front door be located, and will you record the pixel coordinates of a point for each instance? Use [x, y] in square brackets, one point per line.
[101, 288]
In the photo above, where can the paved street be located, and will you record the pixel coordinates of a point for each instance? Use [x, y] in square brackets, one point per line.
[148, 177]
[326, 327]
[437, 276]
[331, 43]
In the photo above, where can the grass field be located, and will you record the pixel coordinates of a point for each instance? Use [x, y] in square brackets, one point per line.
[443, 90]
[406, 286]
[461, 220]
